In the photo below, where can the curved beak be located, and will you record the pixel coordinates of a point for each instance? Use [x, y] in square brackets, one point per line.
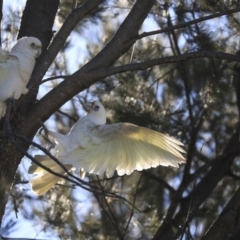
[39, 51]
[88, 106]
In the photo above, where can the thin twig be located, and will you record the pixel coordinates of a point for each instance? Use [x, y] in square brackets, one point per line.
[186, 24]
[53, 78]
[133, 204]
[159, 180]
[104, 179]
[75, 179]
[20, 182]
[109, 213]
[15, 207]
[156, 80]
[45, 136]
[185, 78]
[187, 220]
[67, 115]
[58, 95]
[79, 182]
[58, 41]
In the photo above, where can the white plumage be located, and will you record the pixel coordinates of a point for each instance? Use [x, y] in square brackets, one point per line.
[16, 69]
[97, 147]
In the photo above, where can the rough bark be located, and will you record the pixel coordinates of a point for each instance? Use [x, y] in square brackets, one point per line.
[10, 156]
[82, 79]
[25, 119]
[37, 20]
[69, 24]
[47, 58]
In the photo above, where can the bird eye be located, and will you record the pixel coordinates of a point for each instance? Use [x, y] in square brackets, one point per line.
[32, 45]
[96, 108]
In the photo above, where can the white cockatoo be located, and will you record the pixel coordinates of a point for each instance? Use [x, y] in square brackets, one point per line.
[97, 147]
[16, 69]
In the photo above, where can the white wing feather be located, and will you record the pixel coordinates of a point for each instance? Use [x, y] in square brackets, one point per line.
[44, 180]
[96, 148]
[125, 147]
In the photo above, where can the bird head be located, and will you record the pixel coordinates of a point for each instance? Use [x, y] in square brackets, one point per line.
[29, 46]
[96, 112]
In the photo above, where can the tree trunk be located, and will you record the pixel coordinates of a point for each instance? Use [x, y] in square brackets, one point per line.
[37, 20]
[25, 119]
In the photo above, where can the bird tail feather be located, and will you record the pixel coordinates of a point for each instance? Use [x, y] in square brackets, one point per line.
[44, 180]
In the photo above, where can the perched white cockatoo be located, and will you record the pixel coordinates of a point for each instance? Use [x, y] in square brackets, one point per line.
[97, 147]
[16, 69]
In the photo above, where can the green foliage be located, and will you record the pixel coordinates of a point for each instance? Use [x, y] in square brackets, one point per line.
[194, 101]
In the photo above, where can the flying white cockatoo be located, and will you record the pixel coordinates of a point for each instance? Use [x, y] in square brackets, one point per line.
[16, 69]
[97, 147]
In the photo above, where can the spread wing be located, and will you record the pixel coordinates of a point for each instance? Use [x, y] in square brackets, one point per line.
[125, 147]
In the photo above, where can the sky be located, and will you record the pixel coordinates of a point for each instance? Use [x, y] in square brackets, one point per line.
[25, 227]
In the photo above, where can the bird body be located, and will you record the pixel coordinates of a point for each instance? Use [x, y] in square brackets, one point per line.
[77, 137]
[97, 147]
[16, 69]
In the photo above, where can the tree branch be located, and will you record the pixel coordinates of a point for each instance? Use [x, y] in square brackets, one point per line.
[52, 78]
[79, 182]
[38, 19]
[227, 225]
[70, 23]
[171, 229]
[159, 180]
[132, 210]
[48, 56]
[103, 202]
[79, 81]
[186, 24]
